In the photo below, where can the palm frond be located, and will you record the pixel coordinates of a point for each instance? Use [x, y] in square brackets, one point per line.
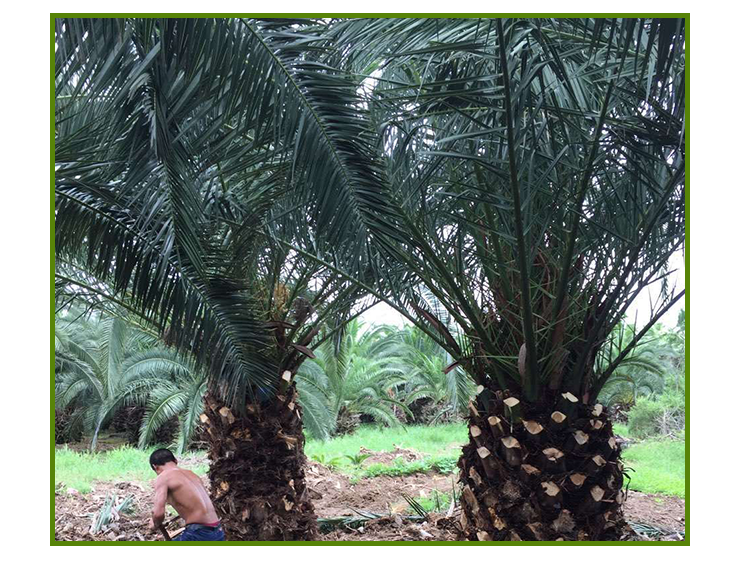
[539, 168]
[189, 421]
[165, 402]
[174, 166]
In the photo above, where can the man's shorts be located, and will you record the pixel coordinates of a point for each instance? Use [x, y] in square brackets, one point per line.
[198, 532]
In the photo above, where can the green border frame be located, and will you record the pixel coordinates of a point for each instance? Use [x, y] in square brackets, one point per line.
[685, 542]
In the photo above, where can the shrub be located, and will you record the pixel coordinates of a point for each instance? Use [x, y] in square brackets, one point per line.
[642, 418]
[661, 416]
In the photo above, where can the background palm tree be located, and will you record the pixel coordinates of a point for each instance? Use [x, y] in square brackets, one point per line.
[641, 373]
[181, 398]
[434, 386]
[103, 365]
[350, 377]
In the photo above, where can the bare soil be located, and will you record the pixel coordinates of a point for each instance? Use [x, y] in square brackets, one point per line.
[334, 495]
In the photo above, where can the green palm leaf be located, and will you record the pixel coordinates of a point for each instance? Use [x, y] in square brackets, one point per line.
[165, 402]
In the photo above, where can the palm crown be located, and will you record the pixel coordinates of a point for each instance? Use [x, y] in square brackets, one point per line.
[183, 177]
[538, 170]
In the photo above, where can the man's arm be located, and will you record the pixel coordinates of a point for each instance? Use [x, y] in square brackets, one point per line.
[160, 499]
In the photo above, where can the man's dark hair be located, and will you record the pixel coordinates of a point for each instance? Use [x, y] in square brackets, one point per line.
[161, 456]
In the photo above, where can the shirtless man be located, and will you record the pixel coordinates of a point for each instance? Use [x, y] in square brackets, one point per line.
[184, 491]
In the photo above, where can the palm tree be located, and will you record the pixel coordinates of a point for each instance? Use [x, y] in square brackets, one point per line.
[641, 373]
[102, 367]
[184, 175]
[537, 167]
[352, 378]
[429, 374]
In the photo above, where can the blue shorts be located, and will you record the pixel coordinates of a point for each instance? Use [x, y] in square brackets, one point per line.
[198, 532]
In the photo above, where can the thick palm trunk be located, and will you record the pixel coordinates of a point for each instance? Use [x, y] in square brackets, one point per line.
[257, 474]
[546, 473]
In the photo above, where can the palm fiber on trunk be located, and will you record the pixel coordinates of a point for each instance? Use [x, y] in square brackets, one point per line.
[543, 473]
[257, 473]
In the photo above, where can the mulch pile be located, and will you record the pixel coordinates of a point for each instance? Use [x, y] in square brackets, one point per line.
[75, 513]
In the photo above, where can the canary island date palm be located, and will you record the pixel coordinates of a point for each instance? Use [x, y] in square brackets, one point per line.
[104, 364]
[538, 166]
[198, 166]
[642, 373]
[428, 380]
[351, 376]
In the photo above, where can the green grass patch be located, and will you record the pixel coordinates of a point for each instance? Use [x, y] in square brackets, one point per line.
[621, 430]
[441, 442]
[401, 467]
[659, 466]
[438, 502]
[79, 470]
[437, 440]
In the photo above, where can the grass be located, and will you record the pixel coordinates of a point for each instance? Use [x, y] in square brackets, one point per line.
[438, 502]
[425, 439]
[79, 470]
[659, 466]
[441, 443]
[400, 467]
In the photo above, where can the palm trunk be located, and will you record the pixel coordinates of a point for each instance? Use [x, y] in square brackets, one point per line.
[541, 472]
[257, 474]
[94, 440]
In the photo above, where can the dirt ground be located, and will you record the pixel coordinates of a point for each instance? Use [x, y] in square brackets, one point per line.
[334, 495]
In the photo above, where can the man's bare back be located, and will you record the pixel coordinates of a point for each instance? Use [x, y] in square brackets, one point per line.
[184, 491]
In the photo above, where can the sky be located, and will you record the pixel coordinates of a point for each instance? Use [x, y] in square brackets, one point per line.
[639, 312]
